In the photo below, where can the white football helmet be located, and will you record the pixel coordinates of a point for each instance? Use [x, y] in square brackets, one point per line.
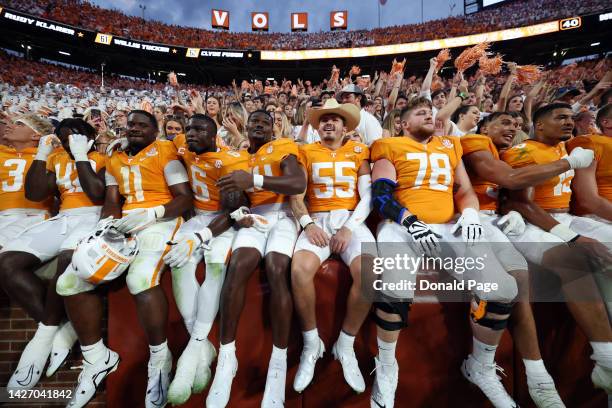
[104, 255]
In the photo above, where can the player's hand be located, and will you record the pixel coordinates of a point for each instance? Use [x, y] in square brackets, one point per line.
[238, 180]
[122, 143]
[423, 236]
[79, 146]
[316, 235]
[580, 158]
[246, 219]
[512, 223]
[139, 219]
[183, 248]
[340, 240]
[46, 145]
[471, 228]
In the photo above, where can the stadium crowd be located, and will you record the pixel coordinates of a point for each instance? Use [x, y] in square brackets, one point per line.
[81, 13]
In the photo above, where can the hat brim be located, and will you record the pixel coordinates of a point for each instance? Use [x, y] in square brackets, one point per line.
[349, 112]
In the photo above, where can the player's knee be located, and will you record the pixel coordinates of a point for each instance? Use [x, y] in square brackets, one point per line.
[215, 271]
[391, 316]
[507, 290]
[277, 274]
[300, 275]
[490, 314]
[69, 284]
[138, 281]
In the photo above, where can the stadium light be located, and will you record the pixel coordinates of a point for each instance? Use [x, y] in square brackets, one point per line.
[555, 54]
[595, 44]
[64, 53]
[181, 74]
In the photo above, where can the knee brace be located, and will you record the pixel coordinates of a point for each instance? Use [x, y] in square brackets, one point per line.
[479, 313]
[69, 284]
[398, 308]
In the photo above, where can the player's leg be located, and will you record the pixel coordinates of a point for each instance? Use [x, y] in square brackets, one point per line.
[20, 283]
[247, 251]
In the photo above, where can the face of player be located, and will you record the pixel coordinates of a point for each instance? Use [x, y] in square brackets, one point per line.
[515, 104]
[259, 128]
[470, 118]
[331, 128]
[439, 101]
[18, 133]
[418, 123]
[172, 129]
[140, 131]
[199, 136]
[212, 107]
[502, 131]
[555, 127]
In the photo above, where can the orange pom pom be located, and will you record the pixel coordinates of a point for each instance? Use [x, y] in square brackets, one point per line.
[490, 66]
[528, 74]
[443, 56]
[469, 56]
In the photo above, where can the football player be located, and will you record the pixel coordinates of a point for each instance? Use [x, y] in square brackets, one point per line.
[487, 174]
[75, 174]
[557, 240]
[592, 187]
[155, 187]
[198, 305]
[275, 175]
[338, 195]
[413, 188]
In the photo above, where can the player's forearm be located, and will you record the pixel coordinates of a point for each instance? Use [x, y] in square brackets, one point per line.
[36, 186]
[531, 213]
[445, 113]
[233, 200]
[298, 207]
[519, 178]
[91, 183]
[466, 198]
[599, 206]
[289, 184]
[220, 224]
[178, 205]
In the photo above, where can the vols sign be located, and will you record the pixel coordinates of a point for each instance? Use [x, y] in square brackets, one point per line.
[220, 19]
[299, 21]
[338, 20]
[259, 21]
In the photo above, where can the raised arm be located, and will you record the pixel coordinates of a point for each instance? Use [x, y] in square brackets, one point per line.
[505, 92]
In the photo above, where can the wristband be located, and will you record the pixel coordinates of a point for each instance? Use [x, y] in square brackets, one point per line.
[564, 232]
[305, 220]
[41, 156]
[408, 221]
[204, 236]
[80, 157]
[258, 180]
[160, 210]
[463, 96]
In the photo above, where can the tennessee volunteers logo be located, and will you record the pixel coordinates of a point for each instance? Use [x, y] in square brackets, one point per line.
[152, 152]
[447, 143]
[218, 164]
[358, 149]
[270, 149]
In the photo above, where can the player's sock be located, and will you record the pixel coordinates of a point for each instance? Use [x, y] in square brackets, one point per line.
[201, 330]
[484, 353]
[45, 333]
[386, 355]
[158, 353]
[94, 352]
[311, 339]
[345, 340]
[229, 348]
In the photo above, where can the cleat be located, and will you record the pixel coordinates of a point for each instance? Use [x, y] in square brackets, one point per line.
[219, 393]
[180, 388]
[306, 368]
[274, 394]
[485, 377]
[602, 378]
[31, 366]
[62, 345]
[385, 384]
[350, 367]
[158, 382]
[91, 377]
[544, 394]
[203, 373]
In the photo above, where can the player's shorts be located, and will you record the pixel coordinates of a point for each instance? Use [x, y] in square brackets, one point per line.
[48, 238]
[506, 253]
[219, 246]
[534, 242]
[597, 218]
[145, 270]
[13, 222]
[331, 222]
[483, 264]
[279, 238]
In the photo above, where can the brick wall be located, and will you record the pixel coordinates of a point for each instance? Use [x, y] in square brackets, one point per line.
[16, 329]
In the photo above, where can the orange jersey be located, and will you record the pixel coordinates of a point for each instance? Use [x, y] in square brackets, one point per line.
[141, 178]
[205, 169]
[554, 193]
[267, 161]
[67, 178]
[425, 174]
[602, 146]
[485, 190]
[332, 175]
[14, 166]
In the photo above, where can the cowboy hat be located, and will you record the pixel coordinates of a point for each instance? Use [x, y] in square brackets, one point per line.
[349, 112]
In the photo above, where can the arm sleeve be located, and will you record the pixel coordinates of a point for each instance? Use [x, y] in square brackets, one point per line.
[364, 207]
[110, 179]
[175, 173]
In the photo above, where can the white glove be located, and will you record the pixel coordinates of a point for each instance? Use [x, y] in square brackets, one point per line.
[185, 246]
[46, 145]
[514, 223]
[580, 158]
[139, 219]
[260, 223]
[121, 143]
[103, 222]
[79, 146]
[422, 234]
[471, 228]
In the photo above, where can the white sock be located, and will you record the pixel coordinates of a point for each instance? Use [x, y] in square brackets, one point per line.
[65, 336]
[311, 338]
[189, 326]
[602, 353]
[94, 352]
[279, 353]
[386, 351]
[45, 333]
[229, 348]
[484, 353]
[535, 368]
[158, 353]
[345, 341]
[201, 330]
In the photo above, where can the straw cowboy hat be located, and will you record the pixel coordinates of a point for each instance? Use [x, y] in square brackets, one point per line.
[349, 112]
